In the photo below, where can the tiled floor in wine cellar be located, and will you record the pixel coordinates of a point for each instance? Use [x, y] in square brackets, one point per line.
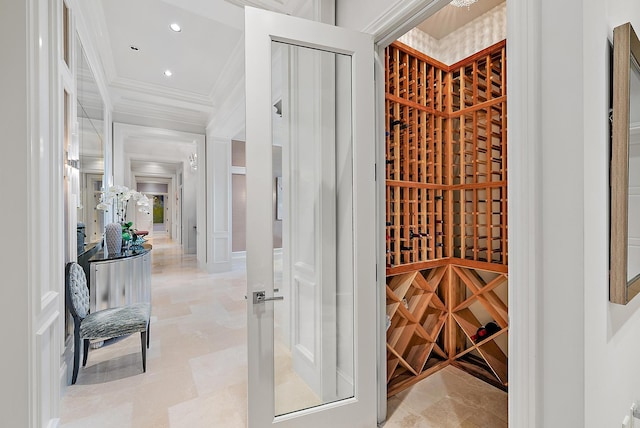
[449, 398]
[196, 366]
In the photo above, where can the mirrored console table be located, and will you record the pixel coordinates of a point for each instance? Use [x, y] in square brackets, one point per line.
[120, 279]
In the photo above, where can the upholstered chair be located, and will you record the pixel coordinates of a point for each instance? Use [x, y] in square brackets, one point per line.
[104, 324]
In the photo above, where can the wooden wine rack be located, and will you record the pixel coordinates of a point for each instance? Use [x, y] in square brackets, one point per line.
[446, 225]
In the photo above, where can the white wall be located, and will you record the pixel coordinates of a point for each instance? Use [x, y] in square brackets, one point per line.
[562, 213]
[14, 294]
[358, 14]
[218, 195]
[612, 332]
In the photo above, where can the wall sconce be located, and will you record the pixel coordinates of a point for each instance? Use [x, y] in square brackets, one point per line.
[73, 151]
[74, 163]
[193, 161]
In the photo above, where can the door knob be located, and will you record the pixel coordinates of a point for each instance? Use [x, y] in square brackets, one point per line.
[260, 297]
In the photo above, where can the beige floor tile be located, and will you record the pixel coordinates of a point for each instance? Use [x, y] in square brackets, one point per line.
[484, 420]
[226, 408]
[196, 366]
[105, 417]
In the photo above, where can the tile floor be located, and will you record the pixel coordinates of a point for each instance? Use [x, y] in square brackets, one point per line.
[196, 366]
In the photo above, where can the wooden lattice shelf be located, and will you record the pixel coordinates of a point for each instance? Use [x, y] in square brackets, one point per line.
[446, 158]
[434, 319]
[446, 225]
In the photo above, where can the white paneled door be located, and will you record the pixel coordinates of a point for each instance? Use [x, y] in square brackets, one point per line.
[311, 285]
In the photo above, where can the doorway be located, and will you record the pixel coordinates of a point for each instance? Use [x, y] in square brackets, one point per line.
[158, 214]
[445, 196]
[159, 191]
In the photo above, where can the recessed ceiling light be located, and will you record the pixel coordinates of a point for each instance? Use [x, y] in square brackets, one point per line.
[168, 73]
[134, 48]
[175, 27]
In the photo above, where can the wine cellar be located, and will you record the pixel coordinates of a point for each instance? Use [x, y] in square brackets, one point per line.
[446, 208]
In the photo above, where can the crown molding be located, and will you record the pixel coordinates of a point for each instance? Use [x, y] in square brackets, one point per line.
[230, 117]
[94, 26]
[161, 111]
[128, 131]
[89, 34]
[407, 13]
[144, 88]
[273, 5]
[233, 68]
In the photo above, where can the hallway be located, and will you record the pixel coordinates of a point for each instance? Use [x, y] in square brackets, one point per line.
[196, 362]
[196, 365]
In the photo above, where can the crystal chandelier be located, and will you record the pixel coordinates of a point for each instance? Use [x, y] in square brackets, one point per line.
[463, 3]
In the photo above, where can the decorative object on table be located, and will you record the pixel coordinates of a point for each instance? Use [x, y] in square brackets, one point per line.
[113, 238]
[118, 197]
[137, 242]
[127, 234]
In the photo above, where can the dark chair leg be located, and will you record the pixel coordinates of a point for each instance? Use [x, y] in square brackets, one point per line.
[86, 352]
[76, 352]
[143, 342]
[148, 332]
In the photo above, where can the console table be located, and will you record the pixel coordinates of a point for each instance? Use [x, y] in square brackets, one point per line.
[120, 279]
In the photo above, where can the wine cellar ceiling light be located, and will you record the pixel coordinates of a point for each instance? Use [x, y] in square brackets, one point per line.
[463, 3]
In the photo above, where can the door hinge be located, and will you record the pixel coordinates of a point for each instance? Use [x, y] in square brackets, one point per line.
[375, 171]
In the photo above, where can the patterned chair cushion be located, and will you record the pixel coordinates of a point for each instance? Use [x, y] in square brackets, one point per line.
[115, 322]
[78, 290]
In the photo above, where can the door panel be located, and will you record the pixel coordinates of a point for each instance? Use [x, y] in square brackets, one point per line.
[311, 351]
[306, 372]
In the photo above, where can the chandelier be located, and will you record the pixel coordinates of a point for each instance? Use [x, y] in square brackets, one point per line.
[463, 3]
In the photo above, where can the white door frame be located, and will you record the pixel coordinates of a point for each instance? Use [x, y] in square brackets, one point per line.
[524, 199]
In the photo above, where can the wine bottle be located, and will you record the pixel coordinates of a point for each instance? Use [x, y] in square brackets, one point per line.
[485, 331]
[413, 235]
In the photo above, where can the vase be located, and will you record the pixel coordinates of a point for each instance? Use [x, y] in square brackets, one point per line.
[113, 238]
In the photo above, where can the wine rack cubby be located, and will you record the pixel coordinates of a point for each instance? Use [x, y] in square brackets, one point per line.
[446, 223]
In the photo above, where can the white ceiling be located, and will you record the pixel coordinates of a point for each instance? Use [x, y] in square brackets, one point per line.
[196, 55]
[206, 58]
